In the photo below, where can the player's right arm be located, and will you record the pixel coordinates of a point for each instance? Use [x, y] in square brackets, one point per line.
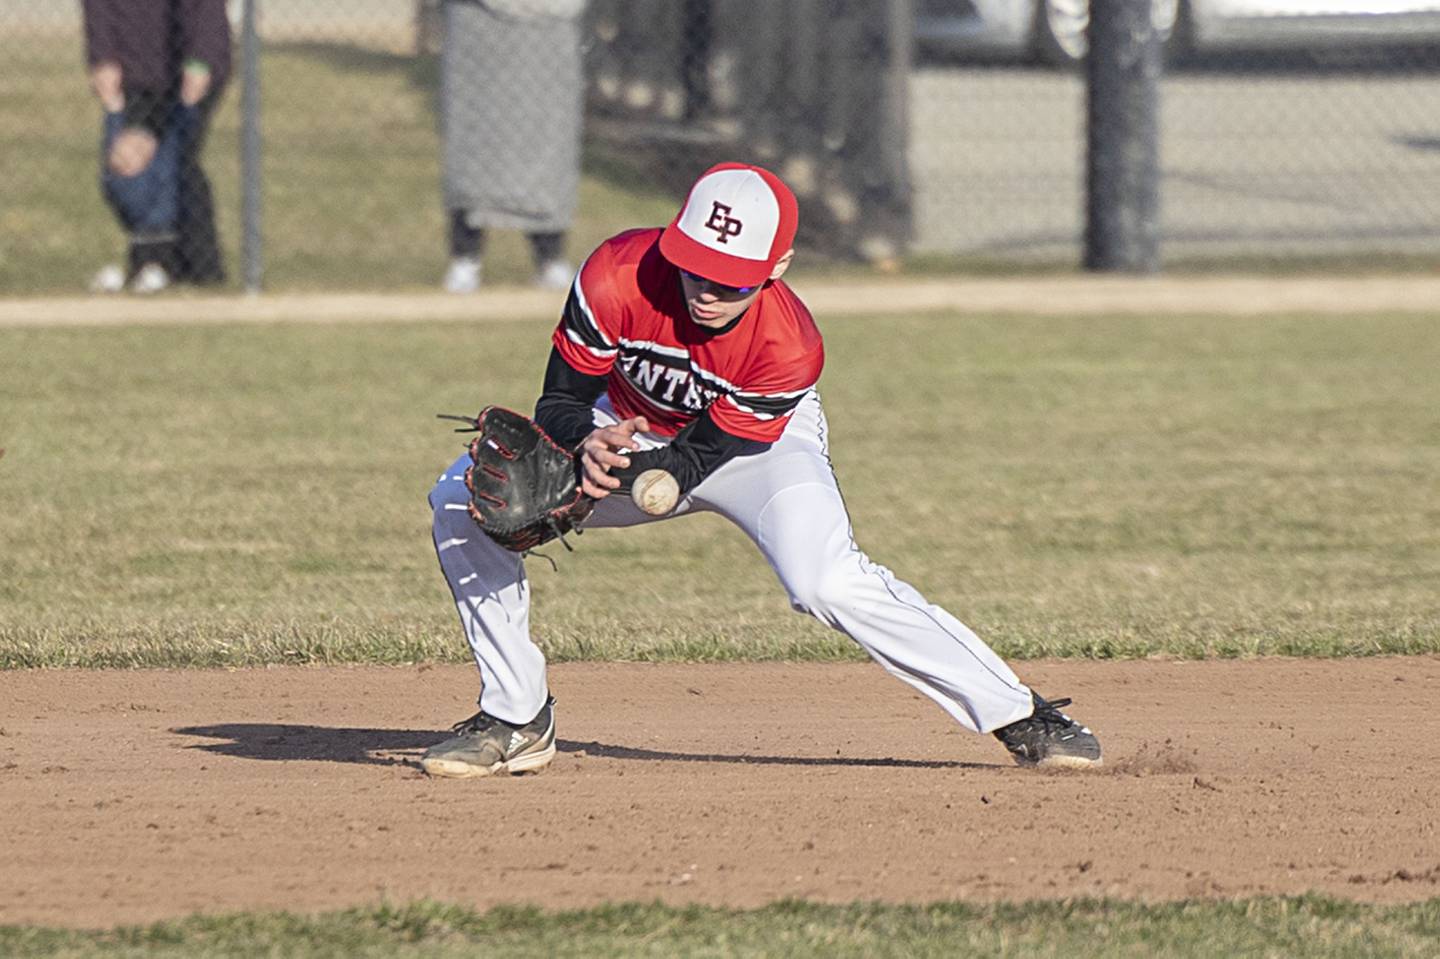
[564, 410]
[584, 347]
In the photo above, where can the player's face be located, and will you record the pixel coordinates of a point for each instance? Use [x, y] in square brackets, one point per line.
[711, 304]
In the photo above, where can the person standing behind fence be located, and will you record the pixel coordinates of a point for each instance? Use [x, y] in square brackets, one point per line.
[158, 68]
[511, 102]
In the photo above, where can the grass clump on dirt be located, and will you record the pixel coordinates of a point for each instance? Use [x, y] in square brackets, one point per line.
[1100, 487]
[1311, 926]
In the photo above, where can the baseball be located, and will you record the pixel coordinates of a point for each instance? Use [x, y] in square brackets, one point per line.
[655, 492]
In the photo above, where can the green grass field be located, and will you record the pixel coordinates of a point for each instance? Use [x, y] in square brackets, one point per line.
[1308, 926]
[1069, 487]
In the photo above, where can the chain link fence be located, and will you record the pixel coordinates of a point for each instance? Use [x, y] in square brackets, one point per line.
[401, 141]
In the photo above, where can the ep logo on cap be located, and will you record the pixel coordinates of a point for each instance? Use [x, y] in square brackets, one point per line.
[737, 222]
[722, 222]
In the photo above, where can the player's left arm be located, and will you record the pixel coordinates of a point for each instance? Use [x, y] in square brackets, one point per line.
[698, 450]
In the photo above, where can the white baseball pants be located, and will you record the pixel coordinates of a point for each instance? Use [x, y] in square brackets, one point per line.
[787, 501]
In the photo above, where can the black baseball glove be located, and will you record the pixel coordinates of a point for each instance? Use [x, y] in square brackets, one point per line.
[524, 488]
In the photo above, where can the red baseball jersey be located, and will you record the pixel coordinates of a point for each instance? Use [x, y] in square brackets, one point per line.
[626, 320]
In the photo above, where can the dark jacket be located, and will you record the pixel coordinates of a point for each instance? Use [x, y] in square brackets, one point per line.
[151, 40]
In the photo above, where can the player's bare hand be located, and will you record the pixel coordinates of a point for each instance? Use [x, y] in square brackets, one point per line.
[604, 449]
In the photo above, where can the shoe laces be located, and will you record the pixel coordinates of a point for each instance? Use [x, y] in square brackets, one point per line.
[478, 723]
[482, 720]
[1047, 713]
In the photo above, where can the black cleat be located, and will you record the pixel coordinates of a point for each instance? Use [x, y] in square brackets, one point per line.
[486, 746]
[1050, 738]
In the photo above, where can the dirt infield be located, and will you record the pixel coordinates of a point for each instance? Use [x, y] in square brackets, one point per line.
[131, 796]
[1065, 295]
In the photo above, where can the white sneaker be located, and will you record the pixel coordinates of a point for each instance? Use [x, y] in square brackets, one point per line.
[555, 275]
[152, 278]
[462, 276]
[109, 279]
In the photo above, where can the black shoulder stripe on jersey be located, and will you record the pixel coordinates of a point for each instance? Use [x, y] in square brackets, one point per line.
[581, 324]
[768, 405]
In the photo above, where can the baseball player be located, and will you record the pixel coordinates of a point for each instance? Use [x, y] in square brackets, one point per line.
[682, 349]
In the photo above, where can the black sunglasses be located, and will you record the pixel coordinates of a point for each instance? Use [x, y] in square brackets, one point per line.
[697, 278]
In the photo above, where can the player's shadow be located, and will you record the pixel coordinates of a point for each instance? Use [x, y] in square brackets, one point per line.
[607, 751]
[402, 747]
[286, 742]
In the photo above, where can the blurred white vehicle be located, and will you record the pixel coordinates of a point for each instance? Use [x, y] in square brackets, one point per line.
[1053, 31]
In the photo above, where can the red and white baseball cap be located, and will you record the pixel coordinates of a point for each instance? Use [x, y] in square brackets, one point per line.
[736, 223]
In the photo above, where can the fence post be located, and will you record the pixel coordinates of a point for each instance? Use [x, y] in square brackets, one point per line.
[251, 244]
[1122, 230]
[894, 132]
